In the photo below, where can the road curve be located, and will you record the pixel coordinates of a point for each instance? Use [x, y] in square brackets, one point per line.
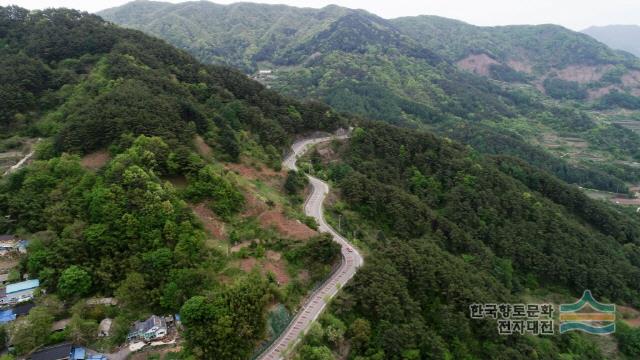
[351, 258]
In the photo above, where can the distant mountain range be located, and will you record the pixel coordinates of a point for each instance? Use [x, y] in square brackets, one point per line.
[250, 36]
[515, 90]
[621, 37]
[179, 193]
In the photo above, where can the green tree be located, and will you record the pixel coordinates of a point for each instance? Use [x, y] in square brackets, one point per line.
[315, 353]
[82, 331]
[295, 182]
[130, 289]
[74, 283]
[628, 340]
[32, 331]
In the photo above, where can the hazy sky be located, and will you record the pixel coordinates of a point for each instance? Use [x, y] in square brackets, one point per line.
[574, 14]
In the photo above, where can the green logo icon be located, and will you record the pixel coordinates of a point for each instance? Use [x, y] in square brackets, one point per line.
[576, 316]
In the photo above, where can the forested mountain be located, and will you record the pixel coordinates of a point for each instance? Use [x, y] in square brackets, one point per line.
[413, 72]
[529, 54]
[125, 226]
[445, 226]
[621, 37]
[441, 224]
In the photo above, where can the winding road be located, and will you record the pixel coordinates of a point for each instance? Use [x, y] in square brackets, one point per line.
[351, 259]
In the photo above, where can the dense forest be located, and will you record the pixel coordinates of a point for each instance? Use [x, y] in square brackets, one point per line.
[442, 224]
[405, 71]
[446, 227]
[84, 85]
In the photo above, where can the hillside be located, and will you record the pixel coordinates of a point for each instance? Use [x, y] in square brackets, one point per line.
[413, 72]
[621, 37]
[438, 220]
[530, 54]
[158, 182]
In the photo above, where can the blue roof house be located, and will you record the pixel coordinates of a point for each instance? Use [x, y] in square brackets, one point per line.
[19, 292]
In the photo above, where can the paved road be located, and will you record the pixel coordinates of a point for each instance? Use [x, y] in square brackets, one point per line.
[351, 259]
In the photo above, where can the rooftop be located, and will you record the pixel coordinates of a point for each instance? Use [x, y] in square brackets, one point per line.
[146, 325]
[79, 354]
[60, 324]
[23, 309]
[61, 351]
[22, 286]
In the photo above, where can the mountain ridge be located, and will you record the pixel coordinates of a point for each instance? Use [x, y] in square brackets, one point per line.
[622, 37]
[417, 72]
[188, 199]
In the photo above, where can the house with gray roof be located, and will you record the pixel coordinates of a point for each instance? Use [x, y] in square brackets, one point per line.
[153, 328]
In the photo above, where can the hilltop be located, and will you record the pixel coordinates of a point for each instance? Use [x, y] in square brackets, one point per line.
[507, 90]
[158, 181]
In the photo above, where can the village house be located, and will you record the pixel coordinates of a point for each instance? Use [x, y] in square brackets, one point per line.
[60, 325]
[57, 352]
[10, 315]
[153, 328]
[19, 292]
[12, 244]
[65, 351]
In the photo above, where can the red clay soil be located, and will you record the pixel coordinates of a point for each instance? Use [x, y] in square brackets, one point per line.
[251, 173]
[477, 63]
[247, 264]
[290, 228]
[272, 262]
[237, 247]
[96, 160]
[632, 316]
[253, 206]
[209, 220]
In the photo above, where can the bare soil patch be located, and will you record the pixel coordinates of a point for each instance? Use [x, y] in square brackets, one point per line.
[477, 63]
[285, 226]
[631, 79]
[237, 247]
[595, 94]
[95, 160]
[520, 66]
[272, 262]
[583, 74]
[631, 316]
[247, 264]
[253, 206]
[210, 221]
[8, 262]
[263, 173]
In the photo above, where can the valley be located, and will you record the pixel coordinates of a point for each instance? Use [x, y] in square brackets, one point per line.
[182, 185]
